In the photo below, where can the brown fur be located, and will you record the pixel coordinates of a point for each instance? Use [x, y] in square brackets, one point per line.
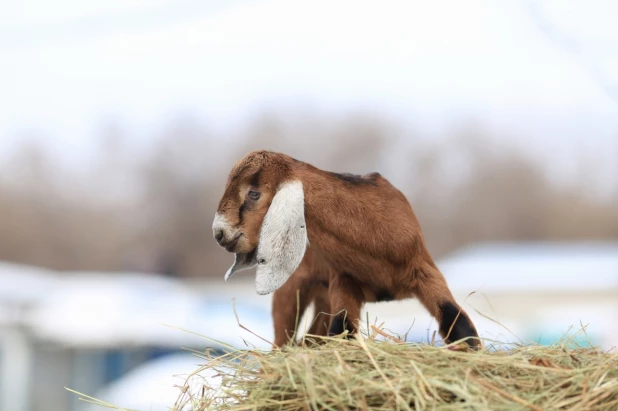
[365, 244]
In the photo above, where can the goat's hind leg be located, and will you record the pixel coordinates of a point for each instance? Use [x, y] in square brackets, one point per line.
[454, 322]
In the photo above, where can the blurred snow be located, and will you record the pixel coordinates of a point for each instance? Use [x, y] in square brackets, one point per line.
[551, 268]
[22, 286]
[99, 310]
[155, 385]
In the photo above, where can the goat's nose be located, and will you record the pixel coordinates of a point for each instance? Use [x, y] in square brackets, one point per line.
[219, 235]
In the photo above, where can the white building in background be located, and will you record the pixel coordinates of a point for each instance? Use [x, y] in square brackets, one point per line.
[88, 331]
[85, 330]
[21, 288]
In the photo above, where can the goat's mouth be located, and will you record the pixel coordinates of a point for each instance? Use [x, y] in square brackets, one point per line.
[230, 246]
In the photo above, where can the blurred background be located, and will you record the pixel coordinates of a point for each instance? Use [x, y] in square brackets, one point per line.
[119, 121]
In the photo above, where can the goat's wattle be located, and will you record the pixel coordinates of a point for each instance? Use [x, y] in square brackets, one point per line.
[242, 261]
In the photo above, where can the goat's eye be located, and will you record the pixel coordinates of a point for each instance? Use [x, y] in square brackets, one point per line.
[254, 195]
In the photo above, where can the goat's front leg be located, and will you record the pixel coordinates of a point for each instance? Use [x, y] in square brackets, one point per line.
[346, 299]
[319, 325]
[288, 305]
[321, 319]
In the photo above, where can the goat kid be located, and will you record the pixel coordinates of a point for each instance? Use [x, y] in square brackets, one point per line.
[339, 240]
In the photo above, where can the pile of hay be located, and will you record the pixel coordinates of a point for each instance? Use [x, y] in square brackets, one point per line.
[366, 374]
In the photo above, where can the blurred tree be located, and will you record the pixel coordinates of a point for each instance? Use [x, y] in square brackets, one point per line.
[154, 213]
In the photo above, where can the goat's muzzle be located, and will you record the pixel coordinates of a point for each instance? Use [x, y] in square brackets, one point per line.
[218, 233]
[224, 233]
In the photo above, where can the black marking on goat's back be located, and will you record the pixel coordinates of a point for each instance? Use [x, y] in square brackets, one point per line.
[339, 324]
[384, 295]
[463, 327]
[354, 179]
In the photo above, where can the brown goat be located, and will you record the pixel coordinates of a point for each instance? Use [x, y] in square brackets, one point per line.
[339, 240]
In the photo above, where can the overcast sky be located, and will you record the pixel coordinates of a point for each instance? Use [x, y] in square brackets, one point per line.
[68, 66]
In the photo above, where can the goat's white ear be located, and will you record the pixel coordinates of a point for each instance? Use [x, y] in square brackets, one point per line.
[243, 261]
[283, 238]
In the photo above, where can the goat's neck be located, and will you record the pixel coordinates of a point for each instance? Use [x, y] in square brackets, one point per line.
[374, 222]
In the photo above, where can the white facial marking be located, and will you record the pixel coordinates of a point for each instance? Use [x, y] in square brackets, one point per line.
[221, 223]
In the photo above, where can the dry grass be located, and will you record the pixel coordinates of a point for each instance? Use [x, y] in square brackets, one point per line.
[367, 374]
